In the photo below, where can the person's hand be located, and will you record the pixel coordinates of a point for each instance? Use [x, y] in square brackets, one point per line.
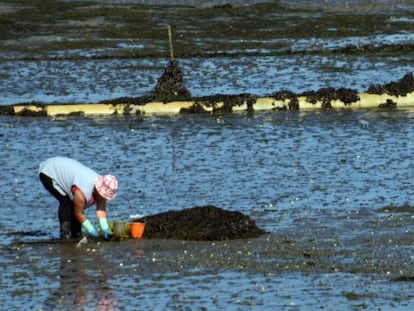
[89, 228]
[103, 223]
[107, 235]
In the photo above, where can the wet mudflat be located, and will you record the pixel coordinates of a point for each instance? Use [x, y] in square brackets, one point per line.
[332, 189]
[283, 270]
[88, 51]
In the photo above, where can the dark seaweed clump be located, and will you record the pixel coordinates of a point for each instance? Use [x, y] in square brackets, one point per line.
[389, 103]
[324, 95]
[9, 110]
[399, 88]
[6, 110]
[140, 100]
[403, 278]
[293, 104]
[170, 85]
[204, 223]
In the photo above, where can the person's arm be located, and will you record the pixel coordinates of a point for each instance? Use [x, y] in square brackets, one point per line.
[102, 216]
[79, 203]
[100, 206]
[79, 206]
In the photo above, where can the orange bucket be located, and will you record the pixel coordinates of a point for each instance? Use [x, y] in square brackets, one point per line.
[137, 229]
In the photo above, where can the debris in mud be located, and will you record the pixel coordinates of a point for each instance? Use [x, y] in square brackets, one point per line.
[170, 85]
[400, 88]
[204, 223]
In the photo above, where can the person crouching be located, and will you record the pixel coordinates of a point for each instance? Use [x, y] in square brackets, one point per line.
[77, 187]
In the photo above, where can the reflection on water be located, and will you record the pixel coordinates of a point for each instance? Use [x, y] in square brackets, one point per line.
[83, 282]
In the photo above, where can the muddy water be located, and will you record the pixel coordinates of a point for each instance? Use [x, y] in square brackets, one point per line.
[333, 189]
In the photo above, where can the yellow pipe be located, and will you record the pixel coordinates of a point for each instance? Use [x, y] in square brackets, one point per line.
[87, 109]
[260, 104]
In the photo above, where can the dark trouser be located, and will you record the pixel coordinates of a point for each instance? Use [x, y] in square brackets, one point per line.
[66, 210]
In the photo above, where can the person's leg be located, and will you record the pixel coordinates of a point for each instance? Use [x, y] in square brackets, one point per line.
[65, 206]
[75, 225]
[65, 217]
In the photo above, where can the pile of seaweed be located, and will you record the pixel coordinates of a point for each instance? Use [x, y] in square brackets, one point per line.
[200, 223]
[170, 85]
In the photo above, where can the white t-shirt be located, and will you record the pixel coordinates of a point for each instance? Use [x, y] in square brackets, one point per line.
[66, 173]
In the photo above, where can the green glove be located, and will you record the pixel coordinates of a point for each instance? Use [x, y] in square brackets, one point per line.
[103, 223]
[89, 228]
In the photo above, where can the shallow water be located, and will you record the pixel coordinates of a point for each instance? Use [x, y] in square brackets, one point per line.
[332, 189]
[317, 182]
[83, 52]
